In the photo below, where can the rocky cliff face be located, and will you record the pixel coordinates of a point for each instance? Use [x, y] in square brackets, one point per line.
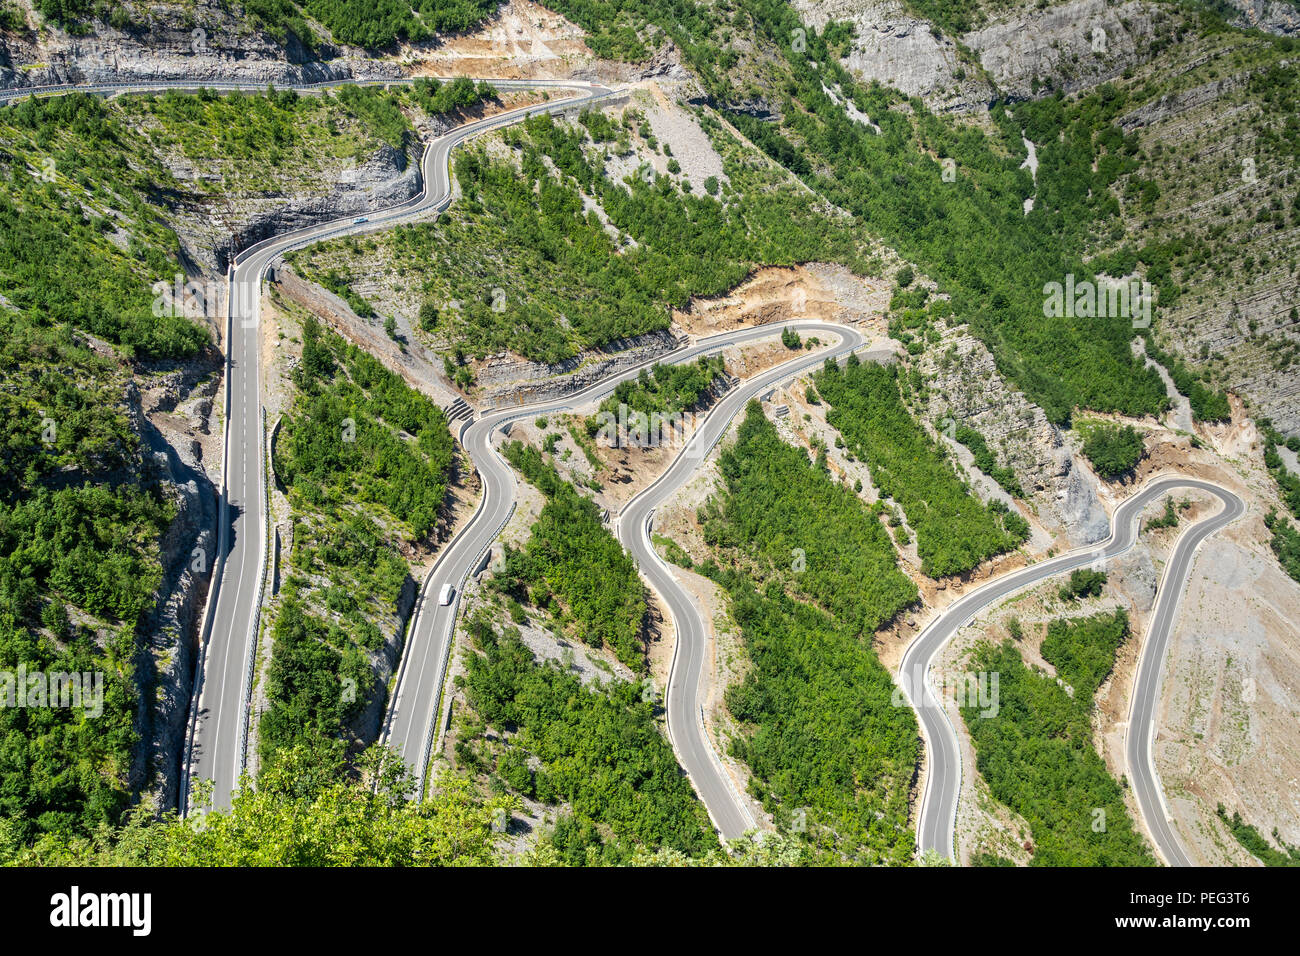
[507, 380]
[903, 51]
[367, 726]
[1272, 16]
[205, 40]
[214, 227]
[1069, 46]
[181, 402]
[1021, 51]
[1066, 46]
[965, 385]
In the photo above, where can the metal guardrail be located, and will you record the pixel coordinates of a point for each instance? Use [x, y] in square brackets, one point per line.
[218, 566]
[704, 732]
[11, 94]
[434, 732]
[255, 626]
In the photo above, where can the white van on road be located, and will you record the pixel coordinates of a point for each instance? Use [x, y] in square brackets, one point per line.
[444, 596]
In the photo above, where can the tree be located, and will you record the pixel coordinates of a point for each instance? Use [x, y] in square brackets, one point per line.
[428, 316]
[1113, 450]
[297, 816]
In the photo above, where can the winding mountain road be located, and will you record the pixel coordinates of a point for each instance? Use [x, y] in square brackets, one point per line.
[217, 743]
[684, 692]
[411, 726]
[217, 748]
[938, 814]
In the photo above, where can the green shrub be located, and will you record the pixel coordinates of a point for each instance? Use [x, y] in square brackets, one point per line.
[1114, 450]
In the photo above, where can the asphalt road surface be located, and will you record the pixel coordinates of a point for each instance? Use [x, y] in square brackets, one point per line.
[685, 690]
[411, 726]
[219, 724]
[1145, 700]
[217, 748]
[943, 771]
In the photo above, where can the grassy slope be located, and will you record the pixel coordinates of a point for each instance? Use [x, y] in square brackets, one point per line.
[565, 283]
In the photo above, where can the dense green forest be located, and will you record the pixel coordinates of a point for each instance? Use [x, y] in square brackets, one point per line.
[365, 460]
[381, 23]
[298, 815]
[786, 512]
[573, 565]
[311, 658]
[71, 539]
[361, 434]
[70, 531]
[79, 567]
[1037, 754]
[666, 389]
[601, 752]
[830, 755]
[955, 531]
[64, 770]
[58, 222]
[376, 24]
[548, 279]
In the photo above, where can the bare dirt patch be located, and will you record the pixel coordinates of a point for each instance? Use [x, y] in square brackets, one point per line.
[779, 294]
[522, 41]
[1230, 700]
